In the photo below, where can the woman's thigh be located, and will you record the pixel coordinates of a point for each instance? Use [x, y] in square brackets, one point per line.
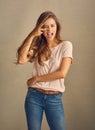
[33, 109]
[55, 112]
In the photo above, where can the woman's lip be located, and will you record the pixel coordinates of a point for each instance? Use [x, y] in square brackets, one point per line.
[49, 34]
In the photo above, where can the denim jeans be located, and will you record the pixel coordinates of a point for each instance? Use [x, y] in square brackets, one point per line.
[36, 103]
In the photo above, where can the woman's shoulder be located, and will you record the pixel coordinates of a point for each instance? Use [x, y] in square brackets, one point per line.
[66, 42]
[62, 45]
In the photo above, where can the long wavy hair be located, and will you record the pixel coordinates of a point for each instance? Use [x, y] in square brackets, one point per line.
[39, 45]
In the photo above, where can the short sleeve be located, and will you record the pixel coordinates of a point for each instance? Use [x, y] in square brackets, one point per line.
[67, 49]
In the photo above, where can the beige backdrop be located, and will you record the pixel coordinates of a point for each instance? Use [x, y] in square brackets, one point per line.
[17, 19]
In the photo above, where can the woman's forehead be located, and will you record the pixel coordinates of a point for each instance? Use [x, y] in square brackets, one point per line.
[49, 20]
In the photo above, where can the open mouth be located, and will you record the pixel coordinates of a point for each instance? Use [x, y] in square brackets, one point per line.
[49, 35]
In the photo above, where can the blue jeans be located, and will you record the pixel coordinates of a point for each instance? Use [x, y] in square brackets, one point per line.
[36, 103]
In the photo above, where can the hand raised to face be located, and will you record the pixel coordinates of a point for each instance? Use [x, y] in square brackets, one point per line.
[38, 30]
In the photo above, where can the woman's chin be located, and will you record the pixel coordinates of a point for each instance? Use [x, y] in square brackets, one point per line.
[50, 39]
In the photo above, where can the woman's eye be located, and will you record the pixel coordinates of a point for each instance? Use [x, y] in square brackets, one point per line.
[43, 26]
[52, 25]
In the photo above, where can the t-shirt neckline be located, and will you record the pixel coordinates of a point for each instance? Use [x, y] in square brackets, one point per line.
[56, 46]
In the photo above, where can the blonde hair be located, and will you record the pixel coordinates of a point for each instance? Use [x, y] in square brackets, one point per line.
[39, 45]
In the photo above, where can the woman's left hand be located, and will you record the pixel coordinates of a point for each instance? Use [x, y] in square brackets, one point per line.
[31, 81]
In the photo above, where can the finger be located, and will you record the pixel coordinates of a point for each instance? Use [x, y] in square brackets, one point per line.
[43, 29]
[28, 82]
[41, 25]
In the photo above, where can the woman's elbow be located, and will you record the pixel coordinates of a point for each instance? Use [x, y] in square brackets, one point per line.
[62, 75]
[21, 61]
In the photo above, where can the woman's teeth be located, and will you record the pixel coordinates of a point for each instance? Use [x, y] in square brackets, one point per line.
[49, 34]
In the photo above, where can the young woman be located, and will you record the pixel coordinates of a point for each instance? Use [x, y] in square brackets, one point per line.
[52, 58]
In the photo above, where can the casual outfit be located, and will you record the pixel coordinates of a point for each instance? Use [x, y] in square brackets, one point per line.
[47, 96]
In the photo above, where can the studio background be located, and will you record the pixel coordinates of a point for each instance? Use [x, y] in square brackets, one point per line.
[17, 19]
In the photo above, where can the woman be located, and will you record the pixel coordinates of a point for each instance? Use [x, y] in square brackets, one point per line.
[52, 58]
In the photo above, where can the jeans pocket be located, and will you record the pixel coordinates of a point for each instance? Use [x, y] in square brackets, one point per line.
[58, 96]
[30, 92]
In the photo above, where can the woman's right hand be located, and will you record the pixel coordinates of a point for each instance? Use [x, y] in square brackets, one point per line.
[37, 31]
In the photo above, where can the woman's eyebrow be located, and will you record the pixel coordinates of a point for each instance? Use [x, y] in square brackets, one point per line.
[50, 24]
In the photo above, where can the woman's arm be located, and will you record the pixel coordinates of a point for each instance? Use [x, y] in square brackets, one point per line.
[60, 73]
[24, 51]
[25, 55]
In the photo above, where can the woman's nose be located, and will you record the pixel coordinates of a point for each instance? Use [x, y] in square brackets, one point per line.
[49, 28]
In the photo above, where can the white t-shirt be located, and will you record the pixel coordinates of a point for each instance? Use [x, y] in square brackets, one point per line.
[58, 52]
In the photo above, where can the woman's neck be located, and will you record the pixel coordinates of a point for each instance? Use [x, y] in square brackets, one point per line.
[52, 43]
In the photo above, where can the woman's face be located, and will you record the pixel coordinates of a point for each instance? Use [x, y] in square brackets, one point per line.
[50, 29]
